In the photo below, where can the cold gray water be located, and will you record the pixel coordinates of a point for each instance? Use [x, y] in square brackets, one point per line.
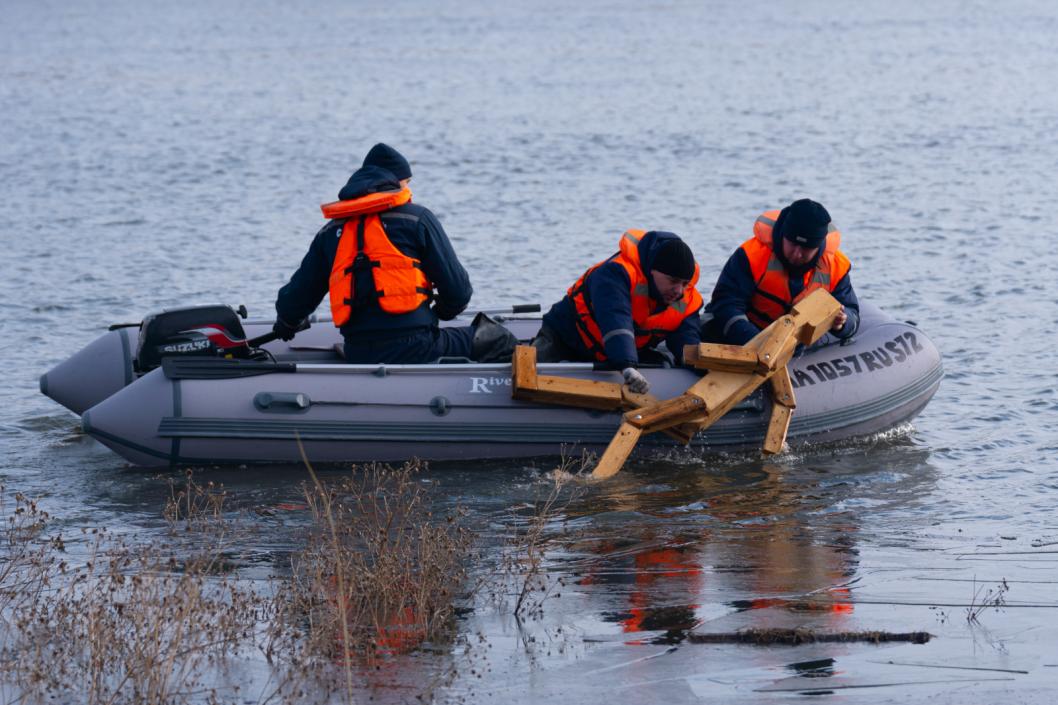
[160, 154]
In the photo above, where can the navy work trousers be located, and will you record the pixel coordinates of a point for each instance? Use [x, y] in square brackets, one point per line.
[422, 346]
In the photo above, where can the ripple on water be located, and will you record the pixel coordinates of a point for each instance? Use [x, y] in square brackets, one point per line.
[532, 189]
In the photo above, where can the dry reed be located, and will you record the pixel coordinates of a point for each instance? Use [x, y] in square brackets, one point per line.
[91, 618]
[527, 547]
[380, 573]
[119, 624]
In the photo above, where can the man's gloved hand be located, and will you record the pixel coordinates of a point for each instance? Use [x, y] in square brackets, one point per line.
[635, 380]
[286, 331]
[840, 321]
[443, 312]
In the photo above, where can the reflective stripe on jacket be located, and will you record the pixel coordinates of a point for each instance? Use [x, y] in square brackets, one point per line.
[772, 299]
[651, 324]
[400, 284]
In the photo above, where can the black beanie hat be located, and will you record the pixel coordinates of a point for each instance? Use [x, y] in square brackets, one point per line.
[674, 258]
[806, 223]
[385, 157]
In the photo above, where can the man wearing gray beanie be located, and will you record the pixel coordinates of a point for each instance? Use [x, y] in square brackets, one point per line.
[792, 253]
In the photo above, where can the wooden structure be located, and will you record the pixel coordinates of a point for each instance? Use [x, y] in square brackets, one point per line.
[734, 372]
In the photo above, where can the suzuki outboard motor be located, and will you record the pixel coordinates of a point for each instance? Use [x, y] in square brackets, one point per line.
[115, 359]
[211, 331]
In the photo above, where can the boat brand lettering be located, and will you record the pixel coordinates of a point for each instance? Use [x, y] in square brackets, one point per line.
[487, 385]
[892, 353]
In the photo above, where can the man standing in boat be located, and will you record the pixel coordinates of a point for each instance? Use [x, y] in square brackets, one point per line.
[792, 253]
[624, 306]
[391, 273]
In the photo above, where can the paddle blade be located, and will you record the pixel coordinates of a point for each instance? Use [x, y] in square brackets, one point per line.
[217, 368]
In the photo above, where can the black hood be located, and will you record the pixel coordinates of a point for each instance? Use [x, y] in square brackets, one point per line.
[368, 179]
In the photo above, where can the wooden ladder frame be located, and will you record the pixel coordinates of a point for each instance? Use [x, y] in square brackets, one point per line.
[733, 373]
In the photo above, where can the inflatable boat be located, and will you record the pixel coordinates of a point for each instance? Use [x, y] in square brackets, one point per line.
[156, 406]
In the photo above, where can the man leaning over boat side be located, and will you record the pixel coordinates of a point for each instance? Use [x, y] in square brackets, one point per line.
[623, 307]
[792, 253]
[390, 271]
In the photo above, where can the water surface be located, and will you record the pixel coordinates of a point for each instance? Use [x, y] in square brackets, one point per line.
[155, 155]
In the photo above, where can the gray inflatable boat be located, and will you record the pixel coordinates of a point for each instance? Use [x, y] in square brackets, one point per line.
[212, 412]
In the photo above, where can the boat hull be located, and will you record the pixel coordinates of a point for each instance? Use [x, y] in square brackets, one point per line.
[339, 413]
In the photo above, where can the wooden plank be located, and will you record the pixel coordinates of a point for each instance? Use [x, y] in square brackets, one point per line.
[778, 425]
[782, 388]
[611, 462]
[632, 400]
[726, 358]
[587, 393]
[523, 371]
[722, 391]
[778, 342]
[666, 414]
[815, 314]
[682, 433]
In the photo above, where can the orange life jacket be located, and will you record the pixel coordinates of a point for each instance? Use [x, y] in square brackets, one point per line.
[772, 298]
[650, 327]
[400, 284]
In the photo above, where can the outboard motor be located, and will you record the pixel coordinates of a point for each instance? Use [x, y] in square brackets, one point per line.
[115, 359]
[205, 331]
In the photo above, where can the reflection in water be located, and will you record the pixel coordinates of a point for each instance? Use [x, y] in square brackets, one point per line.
[648, 571]
[754, 546]
[819, 668]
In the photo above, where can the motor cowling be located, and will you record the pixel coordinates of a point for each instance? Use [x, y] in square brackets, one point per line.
[207, 331]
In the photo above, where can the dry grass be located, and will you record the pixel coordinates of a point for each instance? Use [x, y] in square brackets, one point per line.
[195, 506]
[25, 569]
[527, 548]
[995, 598]
[120, 624]
[380, 573]
[379, 576]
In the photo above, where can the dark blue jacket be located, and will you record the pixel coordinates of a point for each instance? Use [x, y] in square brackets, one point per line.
[725, 314]
[413, 230]
[609, 291]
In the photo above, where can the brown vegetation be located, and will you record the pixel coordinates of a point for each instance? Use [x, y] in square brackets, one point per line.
[380, 573]
[97, 620]
[527, 547]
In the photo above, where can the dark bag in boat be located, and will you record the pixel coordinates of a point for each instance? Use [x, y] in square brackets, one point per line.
[491, 342]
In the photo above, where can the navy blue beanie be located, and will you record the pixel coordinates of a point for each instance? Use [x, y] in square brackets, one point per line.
[674, 258]
[385, 157]
[806, 223]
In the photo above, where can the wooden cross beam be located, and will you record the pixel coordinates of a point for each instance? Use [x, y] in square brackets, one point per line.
[733, 373]
[585, 393]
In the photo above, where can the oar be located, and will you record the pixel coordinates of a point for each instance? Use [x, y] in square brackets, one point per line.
[497, 311]
[516, 308]
[219, 368]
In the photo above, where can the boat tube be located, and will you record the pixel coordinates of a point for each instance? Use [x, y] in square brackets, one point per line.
[259, 411]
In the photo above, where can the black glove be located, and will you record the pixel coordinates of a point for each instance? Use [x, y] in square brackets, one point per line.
[443, 312]
[285, 331]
